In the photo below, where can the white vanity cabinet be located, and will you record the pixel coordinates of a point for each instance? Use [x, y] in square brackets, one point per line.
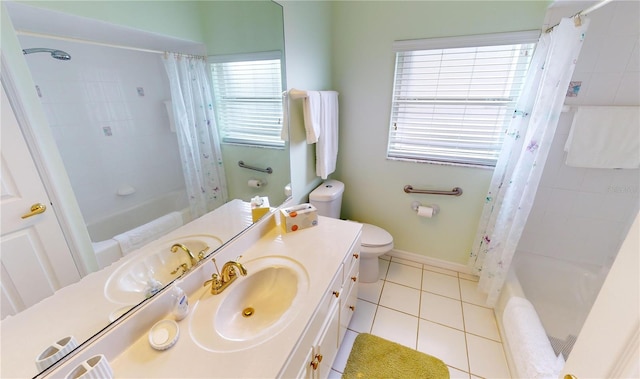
[313, 356]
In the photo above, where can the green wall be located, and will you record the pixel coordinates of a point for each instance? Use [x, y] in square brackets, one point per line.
[362, 71]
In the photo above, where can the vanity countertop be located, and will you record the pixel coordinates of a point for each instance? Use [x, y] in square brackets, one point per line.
[319, 249]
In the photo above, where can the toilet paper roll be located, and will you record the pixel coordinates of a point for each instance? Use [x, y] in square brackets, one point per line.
[425, 211]
[254, 183]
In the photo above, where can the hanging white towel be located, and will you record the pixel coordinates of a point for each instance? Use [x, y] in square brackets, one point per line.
[312, 109]
[604, 137]
[327, 146]
[140, 236]
[284, 133]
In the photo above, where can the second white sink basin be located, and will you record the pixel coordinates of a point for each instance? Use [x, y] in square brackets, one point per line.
[253, 308]
[129, 282]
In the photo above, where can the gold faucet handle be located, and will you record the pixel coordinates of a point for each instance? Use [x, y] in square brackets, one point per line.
[184, 268]
[215, 282]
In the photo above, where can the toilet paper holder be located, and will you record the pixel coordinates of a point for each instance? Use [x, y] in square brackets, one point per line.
[416, 204]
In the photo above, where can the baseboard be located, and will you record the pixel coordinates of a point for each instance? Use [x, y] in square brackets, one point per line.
[430, 261]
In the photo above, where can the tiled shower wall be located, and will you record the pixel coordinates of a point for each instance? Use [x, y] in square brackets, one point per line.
[580, 215]
[106, 111]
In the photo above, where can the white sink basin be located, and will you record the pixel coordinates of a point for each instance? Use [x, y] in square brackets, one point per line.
[253, 308]
[128, 283]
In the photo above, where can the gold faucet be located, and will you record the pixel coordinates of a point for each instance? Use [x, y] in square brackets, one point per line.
[177, 246]
[226, 277]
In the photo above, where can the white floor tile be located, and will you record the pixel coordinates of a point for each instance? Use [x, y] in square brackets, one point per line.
[441, 270]
[471, 294]
[362, 319]
[395, 326]
[370, 291]
[445, 343]
[442, 310]
[457, 374]
[480, 321]
[406, 262]
[440, 284]
[486, 358]
[405, 275]
[401, 298]
[340, 362]
[333, 374]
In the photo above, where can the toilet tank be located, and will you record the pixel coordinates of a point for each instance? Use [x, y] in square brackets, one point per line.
[327, 198]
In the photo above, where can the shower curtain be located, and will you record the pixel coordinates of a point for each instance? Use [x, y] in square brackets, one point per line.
[197, 133]
[527, 142]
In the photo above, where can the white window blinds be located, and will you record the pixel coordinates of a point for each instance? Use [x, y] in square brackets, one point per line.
[453, 98]
[247, 91]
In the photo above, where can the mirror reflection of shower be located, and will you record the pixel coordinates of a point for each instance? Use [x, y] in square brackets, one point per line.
[56, 54]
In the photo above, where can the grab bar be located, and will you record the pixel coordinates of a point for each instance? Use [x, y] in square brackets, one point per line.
[456, 191]
[268, 170]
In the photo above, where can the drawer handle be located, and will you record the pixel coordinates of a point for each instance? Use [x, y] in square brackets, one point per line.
[353, 308]
[356, 255]
[354, 278]
[316, 360]
[336, 293]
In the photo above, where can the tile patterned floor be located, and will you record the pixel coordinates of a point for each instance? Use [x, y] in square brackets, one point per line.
[432, 310]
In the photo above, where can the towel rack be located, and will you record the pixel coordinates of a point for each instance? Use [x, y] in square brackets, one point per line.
[456, 191]
[268, 170]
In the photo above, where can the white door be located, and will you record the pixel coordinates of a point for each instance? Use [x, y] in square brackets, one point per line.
[34, 256]
[609, 343]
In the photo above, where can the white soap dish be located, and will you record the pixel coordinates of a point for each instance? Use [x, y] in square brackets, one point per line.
[164, 334]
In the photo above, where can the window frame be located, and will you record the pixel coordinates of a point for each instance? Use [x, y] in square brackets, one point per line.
[396, 140]
[275, 142]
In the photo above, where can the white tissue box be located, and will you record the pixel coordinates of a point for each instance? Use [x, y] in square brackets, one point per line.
[298, 217]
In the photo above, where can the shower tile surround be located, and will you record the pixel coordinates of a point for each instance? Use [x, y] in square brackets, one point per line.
[107, 132]
[433, 310]
[581, 215]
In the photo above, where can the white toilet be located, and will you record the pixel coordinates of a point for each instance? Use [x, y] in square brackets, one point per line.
[375, 241]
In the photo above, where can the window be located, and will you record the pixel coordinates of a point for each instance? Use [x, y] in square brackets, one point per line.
[247, 92]
[453, 98]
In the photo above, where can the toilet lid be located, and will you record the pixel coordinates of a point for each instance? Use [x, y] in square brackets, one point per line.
[375, 236]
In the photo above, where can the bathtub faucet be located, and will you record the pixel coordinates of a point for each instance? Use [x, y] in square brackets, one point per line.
[177, 246]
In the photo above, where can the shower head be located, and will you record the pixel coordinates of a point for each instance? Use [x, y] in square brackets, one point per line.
[57, 54]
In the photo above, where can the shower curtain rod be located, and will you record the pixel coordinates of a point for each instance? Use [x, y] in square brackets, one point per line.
[584, 12]
[89, 42]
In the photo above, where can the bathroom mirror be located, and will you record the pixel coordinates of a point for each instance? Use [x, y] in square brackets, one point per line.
[112, 127]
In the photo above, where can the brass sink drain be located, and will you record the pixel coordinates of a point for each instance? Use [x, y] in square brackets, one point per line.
[248, 312]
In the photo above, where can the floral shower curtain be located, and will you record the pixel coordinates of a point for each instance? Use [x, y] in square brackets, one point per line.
[197, 133]
[524, 153]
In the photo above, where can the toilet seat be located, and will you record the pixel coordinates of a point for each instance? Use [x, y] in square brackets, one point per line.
[374, 236]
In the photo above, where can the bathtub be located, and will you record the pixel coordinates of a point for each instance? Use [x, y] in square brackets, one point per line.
[561, 292]
[107, 249]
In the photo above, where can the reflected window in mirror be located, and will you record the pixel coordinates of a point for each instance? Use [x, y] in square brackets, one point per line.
[247, 91]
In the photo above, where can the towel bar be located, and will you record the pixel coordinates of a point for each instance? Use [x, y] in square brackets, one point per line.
[268, 170]
[456, 191]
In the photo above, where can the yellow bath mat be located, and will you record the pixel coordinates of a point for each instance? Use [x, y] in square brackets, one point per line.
[375, 357]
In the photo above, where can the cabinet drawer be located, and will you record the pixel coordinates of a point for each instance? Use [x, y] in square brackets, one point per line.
[347, 308]
[352, 259]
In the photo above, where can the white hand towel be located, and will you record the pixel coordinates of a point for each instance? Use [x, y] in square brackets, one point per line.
[312, 108]
[327, 146]
[284, 133]
[604, 137]
[140, 236]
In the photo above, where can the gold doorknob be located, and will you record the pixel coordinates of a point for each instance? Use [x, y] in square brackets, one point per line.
[36, 209]
[569, 376]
